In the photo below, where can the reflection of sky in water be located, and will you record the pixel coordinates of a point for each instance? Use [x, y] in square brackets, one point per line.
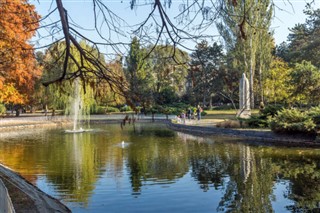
[279, 198]
[156, 170]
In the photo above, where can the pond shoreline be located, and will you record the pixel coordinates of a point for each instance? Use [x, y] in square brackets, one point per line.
[252, 135]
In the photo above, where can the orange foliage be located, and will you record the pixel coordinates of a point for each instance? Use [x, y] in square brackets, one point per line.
[18, 70]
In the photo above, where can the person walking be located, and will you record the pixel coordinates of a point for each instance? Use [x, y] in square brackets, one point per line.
[189, 113]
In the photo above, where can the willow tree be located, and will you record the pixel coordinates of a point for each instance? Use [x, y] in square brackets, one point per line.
[58, 94]
[245, 29]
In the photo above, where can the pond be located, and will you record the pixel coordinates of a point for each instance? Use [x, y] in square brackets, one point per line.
[149, 168]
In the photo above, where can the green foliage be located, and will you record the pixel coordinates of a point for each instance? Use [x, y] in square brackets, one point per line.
[249, 48]
[292, 121]
[104, 110]
[256, 121]
[169, 68]
[223, 107]
[62, 94]
[125, 108]
[204, 113]
[306, 78]
[167, 110]
[277, 85]
[2, 109]
[314, 113]
[138, 75]
[270, 110]
[206, 72]
[166, 96]
[263, 119]
[98, 110]
[111, 109]
[304, 39]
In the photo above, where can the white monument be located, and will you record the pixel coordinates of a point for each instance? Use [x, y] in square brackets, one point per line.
[244, 98]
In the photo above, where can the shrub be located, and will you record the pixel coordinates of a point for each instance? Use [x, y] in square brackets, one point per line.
[204, 113]
[125, 108]
[111, 109]
[314, 111]
[292, 121]
[270, 110]
[257, 121]
[98, 110]
[263, 119]
[2, 109]
[223, 107]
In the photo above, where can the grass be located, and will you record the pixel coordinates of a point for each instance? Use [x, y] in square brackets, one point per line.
[224, 114]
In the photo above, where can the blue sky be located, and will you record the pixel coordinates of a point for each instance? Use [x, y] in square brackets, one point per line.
[81, 12]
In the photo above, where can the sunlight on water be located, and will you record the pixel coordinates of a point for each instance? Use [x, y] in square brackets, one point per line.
[152, 169]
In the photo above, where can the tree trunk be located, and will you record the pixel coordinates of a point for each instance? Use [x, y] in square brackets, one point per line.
[260, 83]
[251, 75]
[204, 100]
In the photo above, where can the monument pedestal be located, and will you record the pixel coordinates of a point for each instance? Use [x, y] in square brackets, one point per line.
[244, 113]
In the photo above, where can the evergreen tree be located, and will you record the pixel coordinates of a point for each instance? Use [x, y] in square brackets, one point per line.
[139, 76]
[205, 74]
[304, 40]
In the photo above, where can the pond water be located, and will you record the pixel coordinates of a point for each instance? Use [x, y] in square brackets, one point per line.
[149, 168]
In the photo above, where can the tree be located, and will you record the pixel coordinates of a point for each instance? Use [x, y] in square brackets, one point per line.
[58, 95]
[104, 94]
[245, 29]
[18, 69]
[169, 67]
[206, 75]
[277, 82]
[139, 76]
[306, 78]
[304, 39]
[156, 28]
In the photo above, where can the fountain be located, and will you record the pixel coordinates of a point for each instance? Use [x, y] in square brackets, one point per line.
[76, 109]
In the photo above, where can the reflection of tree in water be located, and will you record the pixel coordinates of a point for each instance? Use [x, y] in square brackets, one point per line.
[208, 165]
[305, 191]
[72, 168]
[76, 164]
[245, 174]
[304, 174]
[161, 159]
[249, 187]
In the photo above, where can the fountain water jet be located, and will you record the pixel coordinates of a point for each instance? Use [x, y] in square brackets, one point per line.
[76, 108]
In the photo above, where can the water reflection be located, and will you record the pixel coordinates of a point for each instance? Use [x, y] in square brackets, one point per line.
[158, 166]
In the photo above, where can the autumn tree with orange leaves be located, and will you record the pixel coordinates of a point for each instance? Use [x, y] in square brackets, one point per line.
[18, 68]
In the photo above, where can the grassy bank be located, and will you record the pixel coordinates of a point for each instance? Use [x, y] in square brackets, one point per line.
[225, 114]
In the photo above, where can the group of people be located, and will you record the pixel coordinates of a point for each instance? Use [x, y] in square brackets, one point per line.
[190, 114]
